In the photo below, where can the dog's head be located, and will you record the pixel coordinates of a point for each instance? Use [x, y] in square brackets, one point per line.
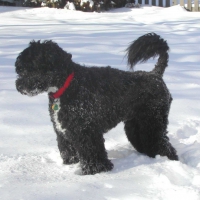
[39, 65]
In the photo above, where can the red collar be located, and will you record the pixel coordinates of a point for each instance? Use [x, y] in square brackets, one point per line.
[57, 94]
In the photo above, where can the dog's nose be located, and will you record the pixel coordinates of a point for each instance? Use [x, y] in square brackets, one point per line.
[19, 87]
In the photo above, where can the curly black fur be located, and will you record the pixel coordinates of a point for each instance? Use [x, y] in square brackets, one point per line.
[98, 98]
[147, 46]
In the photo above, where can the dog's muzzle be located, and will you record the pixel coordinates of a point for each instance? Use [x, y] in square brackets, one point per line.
[20, 86]
[29, 87]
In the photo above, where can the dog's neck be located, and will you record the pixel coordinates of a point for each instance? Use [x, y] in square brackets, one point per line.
[55, 93]
[52, 90]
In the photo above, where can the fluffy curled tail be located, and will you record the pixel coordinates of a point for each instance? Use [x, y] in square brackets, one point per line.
[147, 46]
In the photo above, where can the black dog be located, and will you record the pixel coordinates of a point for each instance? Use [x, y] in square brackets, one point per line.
[86, 102]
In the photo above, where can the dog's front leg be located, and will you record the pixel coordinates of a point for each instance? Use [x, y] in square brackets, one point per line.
[92, 154]
[67, 150]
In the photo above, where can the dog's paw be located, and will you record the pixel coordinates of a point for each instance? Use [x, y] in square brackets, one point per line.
[172, 154]
[97, 167]
[68, 160]
[168, 150]
[72, 160]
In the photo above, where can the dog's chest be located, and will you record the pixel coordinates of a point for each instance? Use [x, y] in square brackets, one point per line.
[56, 106]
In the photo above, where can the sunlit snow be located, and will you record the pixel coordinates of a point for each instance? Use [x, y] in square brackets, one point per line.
[30, 164]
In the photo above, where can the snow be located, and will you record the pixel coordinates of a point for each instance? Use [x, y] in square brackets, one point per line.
[70, 6]
[30, 164]
[91, 3]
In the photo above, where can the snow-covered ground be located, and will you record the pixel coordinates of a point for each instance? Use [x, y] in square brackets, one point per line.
[30, 164]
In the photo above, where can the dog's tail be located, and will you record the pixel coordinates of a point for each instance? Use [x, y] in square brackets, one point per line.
[147, 46]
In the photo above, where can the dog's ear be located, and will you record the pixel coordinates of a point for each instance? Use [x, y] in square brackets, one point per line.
[32, 42]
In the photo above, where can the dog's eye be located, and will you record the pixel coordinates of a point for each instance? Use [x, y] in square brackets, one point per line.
[18, 70]
[21, 72]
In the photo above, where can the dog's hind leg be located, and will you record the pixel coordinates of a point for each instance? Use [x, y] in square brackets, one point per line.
[132, 131]
[92, 154]
[147, 133]
[67, 151]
